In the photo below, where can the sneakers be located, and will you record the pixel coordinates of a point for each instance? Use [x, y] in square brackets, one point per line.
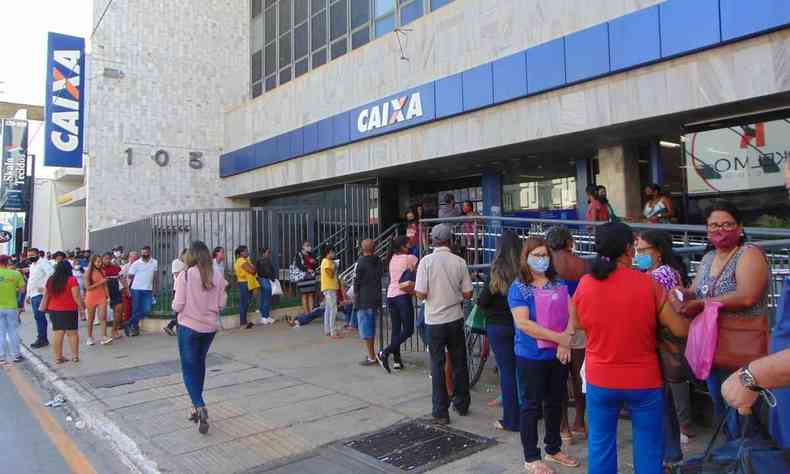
[397, 365]
[39, 344]
[249, 326]
[383, 360]
[169, 331]
[265, 321]
[106, 340]
[135, 332]
[90, 342]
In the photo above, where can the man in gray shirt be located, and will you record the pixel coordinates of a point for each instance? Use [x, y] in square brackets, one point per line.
[443, 282]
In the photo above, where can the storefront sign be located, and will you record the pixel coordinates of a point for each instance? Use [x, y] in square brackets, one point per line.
[410, 108]
[14, 166]
[64, 101]
[738, 158]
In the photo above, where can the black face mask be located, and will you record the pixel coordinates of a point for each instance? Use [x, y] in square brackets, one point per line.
[33, 259]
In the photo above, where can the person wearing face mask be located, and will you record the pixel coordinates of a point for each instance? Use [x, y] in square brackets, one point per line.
[655, 256]
[658, 208]
[601, 190]
[39, 271]
[306, 264]
[736, 275]
[545, 372]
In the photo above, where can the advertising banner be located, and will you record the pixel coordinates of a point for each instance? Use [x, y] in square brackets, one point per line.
[14, 166]
[737, 158]
[64, 99]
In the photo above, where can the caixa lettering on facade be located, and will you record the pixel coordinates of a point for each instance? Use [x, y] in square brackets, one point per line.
[390, 112]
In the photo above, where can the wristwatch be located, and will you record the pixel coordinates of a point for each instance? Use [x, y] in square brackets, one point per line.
[748, 380]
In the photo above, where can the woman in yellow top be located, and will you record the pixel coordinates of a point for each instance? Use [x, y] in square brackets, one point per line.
[248, 284]
[329, 287]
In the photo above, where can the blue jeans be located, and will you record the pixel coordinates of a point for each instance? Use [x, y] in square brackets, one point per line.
[401, 310]
[192, 348]
[141, 306]
[672, 451]
[309, 317]
[41, 318]
[647, 411]
[545, 389]
[9, 324]
[501, 338]
[245, 296]
[266, 296]
[733, 425]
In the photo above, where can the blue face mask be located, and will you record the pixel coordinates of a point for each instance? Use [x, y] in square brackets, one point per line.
[643, 261]
[539, 264]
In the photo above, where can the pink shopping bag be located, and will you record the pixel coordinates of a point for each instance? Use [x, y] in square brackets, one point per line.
[702, 340]
[551, 308]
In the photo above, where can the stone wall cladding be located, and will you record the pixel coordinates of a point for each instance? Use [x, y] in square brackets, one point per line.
[184, 63]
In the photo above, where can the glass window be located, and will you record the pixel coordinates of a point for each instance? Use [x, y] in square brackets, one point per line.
[257, 89]
[257, 69]
[255, 8]
[439, 3]
[317, 6]
[271, 83]
[300, 41]
[339, 48]
[301, 67]
[300, 11]
[360, 13]
[385, 25]
[270, 23]
[318, 26]
[338, 20]
[285, 49]
[384, 7]
[285, 76]
[256, 33]
[285, 16]
[319, 58]
[270, 3]
[271, 59]
[410, 12]
[359, 38]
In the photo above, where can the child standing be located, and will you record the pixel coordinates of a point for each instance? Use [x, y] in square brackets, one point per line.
[329, 287]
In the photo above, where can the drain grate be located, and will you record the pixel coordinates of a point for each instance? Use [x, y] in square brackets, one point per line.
[418, 445]
[115, 378]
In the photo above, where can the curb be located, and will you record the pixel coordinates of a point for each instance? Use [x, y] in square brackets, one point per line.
[122, 445]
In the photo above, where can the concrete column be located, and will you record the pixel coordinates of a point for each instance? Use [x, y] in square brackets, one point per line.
[619, 172]
[583, 178]
[492, 192]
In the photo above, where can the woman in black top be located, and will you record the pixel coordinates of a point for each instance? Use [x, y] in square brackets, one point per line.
[499, 326]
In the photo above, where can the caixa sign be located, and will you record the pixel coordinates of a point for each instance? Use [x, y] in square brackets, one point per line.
[393, 113]
[64, 101]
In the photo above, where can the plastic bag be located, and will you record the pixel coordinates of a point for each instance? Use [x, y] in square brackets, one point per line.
[277, 289]
[702, 340]
[476, 321]
[551, 308]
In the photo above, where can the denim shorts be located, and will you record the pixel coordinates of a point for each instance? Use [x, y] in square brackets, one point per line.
[367, 323]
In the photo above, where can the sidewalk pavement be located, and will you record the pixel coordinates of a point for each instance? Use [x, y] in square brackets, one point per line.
[273, 394]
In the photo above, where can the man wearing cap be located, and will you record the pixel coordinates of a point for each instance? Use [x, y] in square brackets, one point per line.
[443, 282]
[39, 272]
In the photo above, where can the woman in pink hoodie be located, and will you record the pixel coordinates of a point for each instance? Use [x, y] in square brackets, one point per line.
[199, 297]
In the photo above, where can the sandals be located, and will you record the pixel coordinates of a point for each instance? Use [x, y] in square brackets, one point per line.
[538, 467]
[563, 459]
[76, 360]
[60, 360]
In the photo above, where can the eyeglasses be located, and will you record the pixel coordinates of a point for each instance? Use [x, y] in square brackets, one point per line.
[723, 226]
[643, 250]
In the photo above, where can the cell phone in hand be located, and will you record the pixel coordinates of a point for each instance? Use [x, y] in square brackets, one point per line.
[678, 294]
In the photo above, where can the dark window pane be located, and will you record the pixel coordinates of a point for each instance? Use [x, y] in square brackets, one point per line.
[285, 49]
[257, 89]
[271, 59]
[257, 69]
[384, 7]
[360, 13]
[439, 3]
[319, 58]
[255, 8]
[285, 76]
[360, 37]
[300, 67]
[317, 6]
[270, 3]
[285, 16]
[270, 24]
[300, 41]
[385, 25]
[271, 83]
[410, 12]
[318, 26]
[339, 48]
[300, 10]
[338, 20]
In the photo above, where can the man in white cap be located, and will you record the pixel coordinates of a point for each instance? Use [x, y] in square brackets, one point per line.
[443, 282]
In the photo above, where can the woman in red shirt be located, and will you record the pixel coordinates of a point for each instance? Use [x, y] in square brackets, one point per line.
[62, 301]
[620, 310]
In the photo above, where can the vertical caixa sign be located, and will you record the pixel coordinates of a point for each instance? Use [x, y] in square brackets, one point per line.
[64, 103]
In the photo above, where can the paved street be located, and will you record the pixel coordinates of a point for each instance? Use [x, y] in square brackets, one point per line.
[278, 399]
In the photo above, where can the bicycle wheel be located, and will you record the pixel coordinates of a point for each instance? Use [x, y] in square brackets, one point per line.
[476, 354]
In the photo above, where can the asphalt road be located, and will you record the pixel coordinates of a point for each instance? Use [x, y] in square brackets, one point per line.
[24, 444]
